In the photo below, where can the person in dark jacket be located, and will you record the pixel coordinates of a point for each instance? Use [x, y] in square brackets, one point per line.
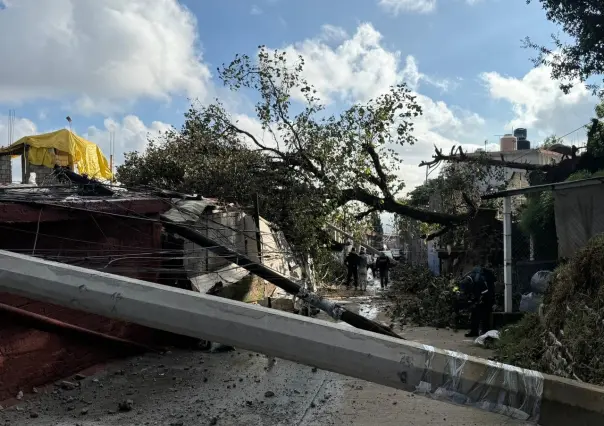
[477, 289]
[352, 263]
[383, 264]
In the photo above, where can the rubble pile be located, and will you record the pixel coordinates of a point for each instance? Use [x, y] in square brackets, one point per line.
[566, 339]
[420, 298]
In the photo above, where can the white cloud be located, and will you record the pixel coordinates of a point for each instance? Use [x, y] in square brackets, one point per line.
[333, 33]
[414, 6]
[539, 105]
[255, 10]
[21, 127]
[359, 68]
[105, 54]
[130, 134]
[396, 7]
[413, 77]
[356, 68]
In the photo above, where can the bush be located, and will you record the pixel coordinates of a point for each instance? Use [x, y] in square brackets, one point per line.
[420, 298]
[567, 340]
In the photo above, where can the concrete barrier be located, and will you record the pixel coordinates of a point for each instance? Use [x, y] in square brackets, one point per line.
[421, 369]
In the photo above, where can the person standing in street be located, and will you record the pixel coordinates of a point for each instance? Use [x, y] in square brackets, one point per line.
[363, 262]
[383, 264]
[477, 291]
[352, 263]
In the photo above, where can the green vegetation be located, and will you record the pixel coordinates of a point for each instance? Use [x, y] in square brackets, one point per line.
[567, 340]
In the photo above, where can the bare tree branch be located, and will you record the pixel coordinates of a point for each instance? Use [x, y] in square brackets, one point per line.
[462, 157]
[364, 214]
[442, 231]
[393, 206]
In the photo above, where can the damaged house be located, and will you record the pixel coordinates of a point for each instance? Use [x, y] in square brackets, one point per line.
[70, 218]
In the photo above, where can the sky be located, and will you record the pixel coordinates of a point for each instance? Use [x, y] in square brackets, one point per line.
[131, 67]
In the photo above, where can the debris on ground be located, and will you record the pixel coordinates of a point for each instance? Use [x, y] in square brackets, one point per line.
[566, 340]
[420, 298]
[126, 405]
[488, 339]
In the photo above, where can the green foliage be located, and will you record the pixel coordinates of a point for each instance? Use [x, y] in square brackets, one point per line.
[567, 340]
[420, 298]
[376, 223]
[523, 344]
[595, 133]
[549, 141]
[306, 164]
[579, 56]
[193, 161]
[355, 149]
[473, 179]
[329, 270]
[537, 217]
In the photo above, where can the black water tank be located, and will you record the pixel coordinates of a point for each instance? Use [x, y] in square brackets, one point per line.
[523, 144]
[520, 133]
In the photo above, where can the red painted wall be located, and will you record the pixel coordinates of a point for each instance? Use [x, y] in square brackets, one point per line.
[30, 357]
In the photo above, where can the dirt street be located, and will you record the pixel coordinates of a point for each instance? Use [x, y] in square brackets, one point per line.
[186, 388]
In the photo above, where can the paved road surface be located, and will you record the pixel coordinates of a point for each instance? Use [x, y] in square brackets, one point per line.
[236, 388]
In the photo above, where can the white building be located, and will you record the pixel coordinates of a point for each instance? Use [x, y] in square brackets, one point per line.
[517, 178]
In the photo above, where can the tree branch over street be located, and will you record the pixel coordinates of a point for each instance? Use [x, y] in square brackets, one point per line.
[457, 155]
[350, 157]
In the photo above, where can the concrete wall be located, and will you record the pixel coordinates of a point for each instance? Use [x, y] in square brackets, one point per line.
[6, 170]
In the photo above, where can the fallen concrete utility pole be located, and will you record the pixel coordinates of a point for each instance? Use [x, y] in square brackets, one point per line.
[369, 249]
[424, 370]
[333, 309]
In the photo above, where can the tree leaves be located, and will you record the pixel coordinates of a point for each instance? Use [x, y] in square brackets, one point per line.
[583, 56]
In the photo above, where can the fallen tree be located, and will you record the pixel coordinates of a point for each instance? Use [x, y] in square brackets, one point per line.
[349, 157]
[420, 298]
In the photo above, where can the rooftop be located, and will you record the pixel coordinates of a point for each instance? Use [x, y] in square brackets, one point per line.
[546, 187]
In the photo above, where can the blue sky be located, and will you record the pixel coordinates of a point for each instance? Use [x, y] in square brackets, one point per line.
[129, 67]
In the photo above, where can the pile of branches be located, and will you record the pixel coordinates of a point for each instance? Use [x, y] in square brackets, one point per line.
[567, 338]
[420, 298]
[329, 269]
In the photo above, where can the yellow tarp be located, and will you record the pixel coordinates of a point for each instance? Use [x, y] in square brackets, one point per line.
[87, 156]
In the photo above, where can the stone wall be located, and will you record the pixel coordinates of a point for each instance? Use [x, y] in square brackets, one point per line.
[6, 170]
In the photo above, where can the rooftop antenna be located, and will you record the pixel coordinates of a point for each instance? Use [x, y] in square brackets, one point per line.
[11, 126]
[111, 150]
[68, 118]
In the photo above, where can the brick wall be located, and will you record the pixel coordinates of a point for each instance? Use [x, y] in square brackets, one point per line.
[43, 174]
[30, 357]
[6, 170]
